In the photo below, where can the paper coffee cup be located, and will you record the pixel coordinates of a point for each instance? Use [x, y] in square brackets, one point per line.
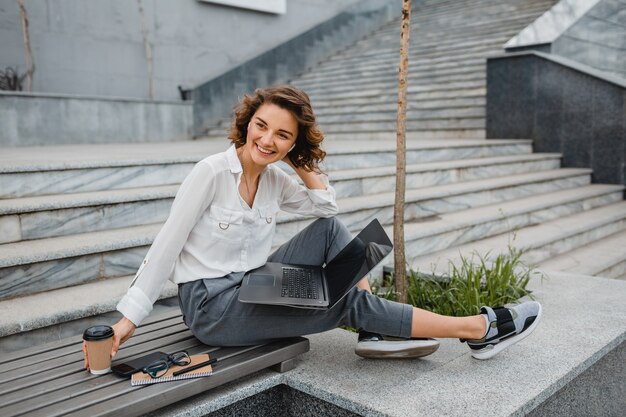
[99, 343]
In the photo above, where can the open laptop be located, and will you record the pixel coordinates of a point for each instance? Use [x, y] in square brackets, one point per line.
[306, 286]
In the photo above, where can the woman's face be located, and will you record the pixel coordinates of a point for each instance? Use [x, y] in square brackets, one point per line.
[272, 132]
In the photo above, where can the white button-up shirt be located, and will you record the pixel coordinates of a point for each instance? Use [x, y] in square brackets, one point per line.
[211, 231]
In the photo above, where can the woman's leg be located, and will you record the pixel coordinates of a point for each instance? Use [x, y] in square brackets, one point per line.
[317, 244]
[427, 324]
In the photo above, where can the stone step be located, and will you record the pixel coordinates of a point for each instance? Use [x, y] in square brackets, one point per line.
[390, 107]
[41, 217]
[43, 264]
[63, 305]
[58, 306]
[32, 171]
[357, 182]
[414, 68]
[391, 59]
[476, 122]
[52, 315]
[411, 115]
[604, 258]
[427, 76]
[28, 171]
[541, 242]
[388, 98]
[391, 81]
[350, 154]
[411, 89]
[429, 37]
[61, 215]
[506, 218]
[426, 202]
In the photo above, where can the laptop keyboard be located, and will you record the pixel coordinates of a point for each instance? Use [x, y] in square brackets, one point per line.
[298, 283]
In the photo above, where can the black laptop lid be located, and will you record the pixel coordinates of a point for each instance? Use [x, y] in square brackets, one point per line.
[356, 260]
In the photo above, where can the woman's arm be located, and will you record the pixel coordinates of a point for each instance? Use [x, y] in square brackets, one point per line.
[192, 199]
[317, 197]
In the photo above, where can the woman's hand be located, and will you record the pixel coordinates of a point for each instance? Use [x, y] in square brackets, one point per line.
[122, 331]
[310, 179]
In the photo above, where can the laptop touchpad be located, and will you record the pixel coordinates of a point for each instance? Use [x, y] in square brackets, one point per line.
[261, 280]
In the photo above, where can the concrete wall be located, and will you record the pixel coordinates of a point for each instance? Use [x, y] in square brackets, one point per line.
[564, 107]
[94, 47]
[213, 100]
[38, 119]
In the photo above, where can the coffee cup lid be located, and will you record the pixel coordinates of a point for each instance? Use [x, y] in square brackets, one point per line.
[98, 333]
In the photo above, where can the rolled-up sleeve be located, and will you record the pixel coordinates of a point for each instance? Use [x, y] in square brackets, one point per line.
[192, 199]
[296, 198]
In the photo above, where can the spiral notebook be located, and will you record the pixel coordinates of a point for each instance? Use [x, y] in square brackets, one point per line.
[140, 378]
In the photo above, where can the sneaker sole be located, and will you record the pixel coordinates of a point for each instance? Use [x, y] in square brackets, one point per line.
[491, 351]
[396, 349]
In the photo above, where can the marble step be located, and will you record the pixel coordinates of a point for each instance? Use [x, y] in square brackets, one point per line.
[427, 37]
[603, 258]
[411, 89]
[32, 171]
[429, 202]
[60, 215]
[56, 262]
[411, 115]
[450, 230]
[430, 34]
[391, 60]
[45, 317]
[390, 107]
[541, 242]
[391, 64]
[466, 72]
[350, 154]
[41, 217]
[414, 68]
[454, 124]
[37, 170]
[418, 98]
[391, 81]
[35, 311]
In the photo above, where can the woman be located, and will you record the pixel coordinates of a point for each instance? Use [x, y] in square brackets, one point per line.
[222, 222]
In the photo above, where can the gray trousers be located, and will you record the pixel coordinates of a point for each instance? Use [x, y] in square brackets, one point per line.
[213, 313]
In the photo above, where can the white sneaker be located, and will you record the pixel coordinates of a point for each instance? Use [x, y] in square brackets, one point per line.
[376, 346]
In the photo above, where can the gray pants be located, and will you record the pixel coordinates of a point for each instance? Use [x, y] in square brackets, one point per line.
[213, 313]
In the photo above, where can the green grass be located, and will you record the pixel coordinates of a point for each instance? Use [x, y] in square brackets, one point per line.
[473, 283]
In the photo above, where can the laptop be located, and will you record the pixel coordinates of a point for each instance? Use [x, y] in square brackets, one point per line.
[306, 286]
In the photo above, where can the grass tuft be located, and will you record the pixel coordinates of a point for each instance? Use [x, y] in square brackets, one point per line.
[473, 283]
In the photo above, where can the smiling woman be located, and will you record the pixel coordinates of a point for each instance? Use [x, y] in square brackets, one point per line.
[221, 225]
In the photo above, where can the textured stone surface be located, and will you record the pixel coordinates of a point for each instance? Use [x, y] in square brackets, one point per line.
[584, 321]
[566, 107]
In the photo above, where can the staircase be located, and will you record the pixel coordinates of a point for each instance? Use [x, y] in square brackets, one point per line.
[76, 221]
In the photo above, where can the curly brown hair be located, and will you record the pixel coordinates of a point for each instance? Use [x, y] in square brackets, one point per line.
[307, 152]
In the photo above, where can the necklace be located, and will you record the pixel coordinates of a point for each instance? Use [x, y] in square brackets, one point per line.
[245, 182]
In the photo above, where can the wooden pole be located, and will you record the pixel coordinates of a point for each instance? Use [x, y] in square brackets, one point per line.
[30, 64]
[398, 211]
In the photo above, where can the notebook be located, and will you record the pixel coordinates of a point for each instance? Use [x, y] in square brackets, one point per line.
[306, 286]
[140, 378]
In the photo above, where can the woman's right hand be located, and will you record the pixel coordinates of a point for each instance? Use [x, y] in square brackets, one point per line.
[122, 331]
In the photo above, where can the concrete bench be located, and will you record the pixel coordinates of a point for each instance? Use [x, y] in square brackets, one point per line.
[49, 380]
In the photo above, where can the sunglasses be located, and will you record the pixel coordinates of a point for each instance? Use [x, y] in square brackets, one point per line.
[159, 368]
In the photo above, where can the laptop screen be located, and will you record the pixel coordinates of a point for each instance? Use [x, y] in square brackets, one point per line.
[357, 259]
